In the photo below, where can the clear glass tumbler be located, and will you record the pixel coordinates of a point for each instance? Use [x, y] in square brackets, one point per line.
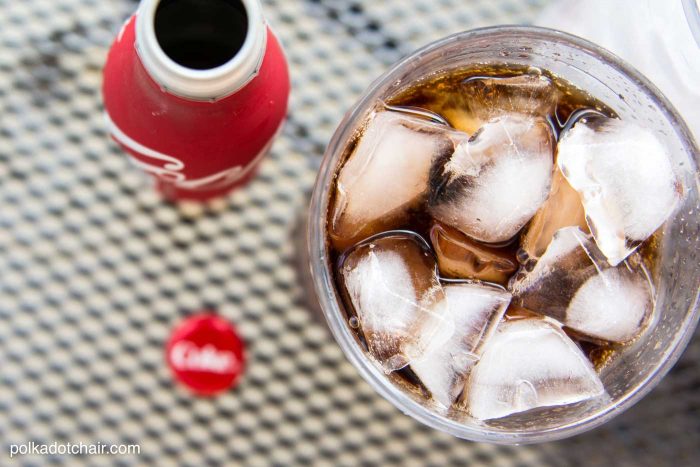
[640, 367]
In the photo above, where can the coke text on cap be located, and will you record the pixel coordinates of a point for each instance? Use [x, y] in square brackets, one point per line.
[205, 354]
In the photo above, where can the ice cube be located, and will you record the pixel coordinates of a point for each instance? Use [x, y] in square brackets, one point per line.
[612, 305]
[475, 310]
[573, 283]
[492, 185]
[483, 98]
[460, 257]
[391, 281]
[569, 260]
[529, 363]
[387, 174]
[563, 208]
[625, 178]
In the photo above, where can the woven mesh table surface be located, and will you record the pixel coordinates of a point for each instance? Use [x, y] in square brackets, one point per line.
[95, 269]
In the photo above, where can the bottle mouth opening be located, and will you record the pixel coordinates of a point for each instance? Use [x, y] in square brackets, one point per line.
[201, 34]
[201, 49]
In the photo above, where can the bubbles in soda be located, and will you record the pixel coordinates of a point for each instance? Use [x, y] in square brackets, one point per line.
[493, 232]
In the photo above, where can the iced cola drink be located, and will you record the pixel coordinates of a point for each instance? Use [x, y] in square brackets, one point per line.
[494, 231]
[493, 235]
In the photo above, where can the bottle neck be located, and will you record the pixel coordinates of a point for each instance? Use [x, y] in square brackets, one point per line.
[201, 83]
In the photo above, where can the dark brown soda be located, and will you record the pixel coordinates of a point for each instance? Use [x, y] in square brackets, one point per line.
[201, 34]
[430, 94]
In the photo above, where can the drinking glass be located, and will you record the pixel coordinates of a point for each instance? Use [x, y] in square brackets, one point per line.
[640, 366]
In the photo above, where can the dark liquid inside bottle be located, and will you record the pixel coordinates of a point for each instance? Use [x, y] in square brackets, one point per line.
[201, 34]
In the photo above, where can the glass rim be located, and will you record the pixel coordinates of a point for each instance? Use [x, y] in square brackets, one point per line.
[329, 299]
[691, 8]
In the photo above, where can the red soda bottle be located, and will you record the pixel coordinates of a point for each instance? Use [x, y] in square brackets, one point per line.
[195, 91]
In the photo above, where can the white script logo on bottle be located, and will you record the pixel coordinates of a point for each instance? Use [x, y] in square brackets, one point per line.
[187, 356]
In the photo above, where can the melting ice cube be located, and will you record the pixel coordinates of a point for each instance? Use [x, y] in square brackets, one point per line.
[494, 183]
[387, 174]
[392, 283]
[625, 179]
[612, 305]
[529, 363]
[484, 98]
[573, 283]
[563, 208]
[460, 257]
[475, 310]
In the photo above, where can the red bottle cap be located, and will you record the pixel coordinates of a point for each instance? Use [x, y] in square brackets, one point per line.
[205, 354]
